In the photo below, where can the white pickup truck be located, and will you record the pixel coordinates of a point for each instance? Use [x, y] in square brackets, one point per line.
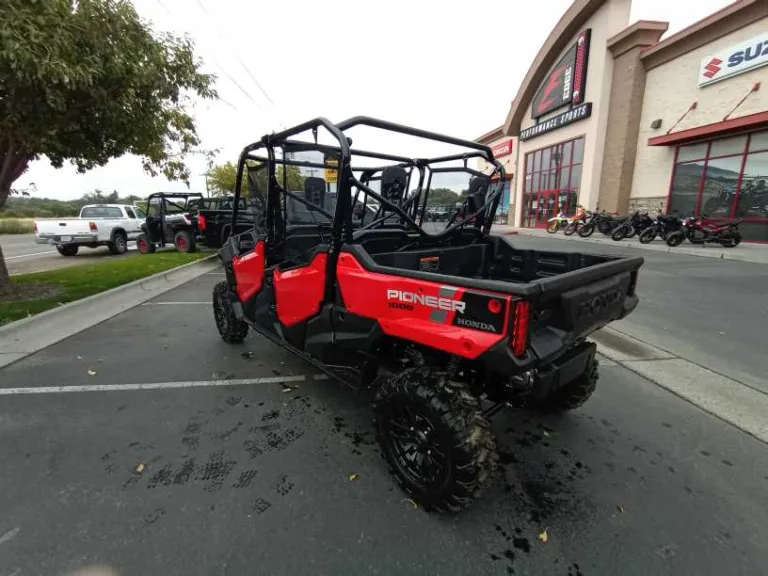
[111, 225]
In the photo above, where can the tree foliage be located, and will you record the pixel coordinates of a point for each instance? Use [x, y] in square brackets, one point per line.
[221, 179]
[85, 81]
[88, 80]
[438, 196]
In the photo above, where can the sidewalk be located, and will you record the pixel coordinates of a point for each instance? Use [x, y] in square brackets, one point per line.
[757, 253]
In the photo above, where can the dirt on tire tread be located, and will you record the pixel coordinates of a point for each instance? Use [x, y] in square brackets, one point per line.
[474, 445]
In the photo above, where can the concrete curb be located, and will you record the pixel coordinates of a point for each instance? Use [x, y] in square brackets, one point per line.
[24, 337]
[729, 400]
[758, 256]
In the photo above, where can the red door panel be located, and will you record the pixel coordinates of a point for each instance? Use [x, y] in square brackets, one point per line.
[249, 273]
[299, 292]
[428, 313]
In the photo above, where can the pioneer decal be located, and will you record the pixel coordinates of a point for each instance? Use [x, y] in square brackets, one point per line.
[407, 300]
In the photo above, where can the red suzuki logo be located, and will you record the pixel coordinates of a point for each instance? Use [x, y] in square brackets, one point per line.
[713, 67]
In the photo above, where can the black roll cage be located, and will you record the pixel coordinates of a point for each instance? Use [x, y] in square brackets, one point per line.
[164, 200]
[342, 226]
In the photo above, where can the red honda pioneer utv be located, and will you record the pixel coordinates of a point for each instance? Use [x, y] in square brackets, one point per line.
[449, 326]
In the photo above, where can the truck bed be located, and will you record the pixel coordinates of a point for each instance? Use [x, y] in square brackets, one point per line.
[572, 294]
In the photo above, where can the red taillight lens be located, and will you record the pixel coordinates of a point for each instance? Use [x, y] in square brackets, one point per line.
[202, 223]
[520, 324]
[35, 227]
[93, 227]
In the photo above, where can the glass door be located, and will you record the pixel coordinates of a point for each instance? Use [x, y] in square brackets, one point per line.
[547, 208]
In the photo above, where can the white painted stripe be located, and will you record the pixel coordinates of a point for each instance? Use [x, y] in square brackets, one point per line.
[175, 303]
[29, 255]
[150, 386]
[215, 273]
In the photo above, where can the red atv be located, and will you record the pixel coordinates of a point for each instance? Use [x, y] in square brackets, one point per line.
[448, 327]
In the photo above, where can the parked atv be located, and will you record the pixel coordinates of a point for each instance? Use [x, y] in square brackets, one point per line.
[448, 328]
[170, 220]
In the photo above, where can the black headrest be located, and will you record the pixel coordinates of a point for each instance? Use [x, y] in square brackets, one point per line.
[478, 188]
[393, 182]
[314, 190]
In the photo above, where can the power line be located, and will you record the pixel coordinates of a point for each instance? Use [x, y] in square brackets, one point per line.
[221, 68]
[243, 64]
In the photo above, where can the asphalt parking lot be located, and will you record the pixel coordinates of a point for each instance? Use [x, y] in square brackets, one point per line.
[237, 460]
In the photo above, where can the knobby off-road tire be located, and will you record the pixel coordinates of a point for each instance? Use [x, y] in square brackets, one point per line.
[573, 394]
[435, 439]
[119, 244]
[144, 245]
[185, 241]
[68, 249]
[553, 227]
[231, 328]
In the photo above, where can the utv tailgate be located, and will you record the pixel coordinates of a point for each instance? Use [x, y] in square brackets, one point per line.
[577, 303]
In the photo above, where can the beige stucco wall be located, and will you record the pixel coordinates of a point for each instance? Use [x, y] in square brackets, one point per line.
[670, 90]
[608, 21]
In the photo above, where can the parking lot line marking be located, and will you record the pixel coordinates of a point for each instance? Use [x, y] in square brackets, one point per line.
[28, 255]
[150, 385]
[174, 303]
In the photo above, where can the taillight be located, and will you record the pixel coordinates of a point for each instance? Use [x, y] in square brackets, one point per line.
[35, 227]
[520, 324]
[93, 227]
[202, 223]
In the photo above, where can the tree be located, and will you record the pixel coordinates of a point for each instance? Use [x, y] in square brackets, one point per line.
[293, 179]
[439, 196]
[221, 179]
[85, 81]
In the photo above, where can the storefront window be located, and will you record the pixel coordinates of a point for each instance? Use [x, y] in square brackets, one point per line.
[753, 200]
[692, 152]
[723, 179]
[720, 185]
[685, 188]
[552, 181]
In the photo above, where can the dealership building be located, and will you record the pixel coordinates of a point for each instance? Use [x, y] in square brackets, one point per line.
[612, 117]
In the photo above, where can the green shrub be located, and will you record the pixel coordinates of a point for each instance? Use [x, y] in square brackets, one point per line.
[16, 226]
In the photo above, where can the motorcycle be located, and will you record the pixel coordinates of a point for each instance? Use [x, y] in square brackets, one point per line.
[576, 222]
[662, 226]
[632, 225]
[700, 232]
[556, 222]
[607, 223]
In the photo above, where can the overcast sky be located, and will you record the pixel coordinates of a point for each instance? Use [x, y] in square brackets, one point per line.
[455, 71]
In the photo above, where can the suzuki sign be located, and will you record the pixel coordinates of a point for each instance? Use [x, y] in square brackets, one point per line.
[734, 60]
